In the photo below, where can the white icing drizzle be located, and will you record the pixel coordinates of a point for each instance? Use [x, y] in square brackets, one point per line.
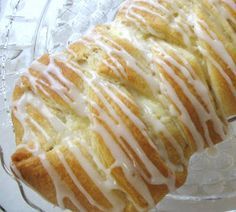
[70, 94]
[182, 30]
[56, 123]
[185, 118]
[231, 4]
[224, 11]
[218, 47]
[75, 180]
[160, 127]
[122, 161]
[40, 128]
[105, 186]
[62, 191]
[103, 43]
[202, 114]
[133, 17]
[177, 23]
[220, 69]
[121, 130]
[214, 43]
[202, 91]
[173, 168]
[116, 67]
[155, 4]
[139, 185]
[145, 9]
[36, 149]
[19, 110]
[188, 70]
[130, 62]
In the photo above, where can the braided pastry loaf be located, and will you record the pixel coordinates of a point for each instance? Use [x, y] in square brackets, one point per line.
[110, 123]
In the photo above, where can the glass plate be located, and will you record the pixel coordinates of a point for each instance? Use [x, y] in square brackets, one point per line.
[30, 28]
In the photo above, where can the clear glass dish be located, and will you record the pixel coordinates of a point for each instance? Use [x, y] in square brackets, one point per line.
[29, 28]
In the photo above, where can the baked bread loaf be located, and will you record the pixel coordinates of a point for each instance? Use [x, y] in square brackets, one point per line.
[110, 123]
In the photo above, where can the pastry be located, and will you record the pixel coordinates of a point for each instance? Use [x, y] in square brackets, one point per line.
[110, 123]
